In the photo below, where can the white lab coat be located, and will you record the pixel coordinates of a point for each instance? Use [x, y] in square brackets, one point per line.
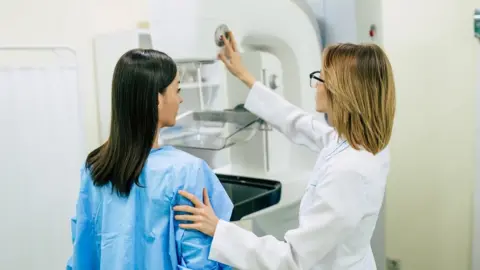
[338, 211]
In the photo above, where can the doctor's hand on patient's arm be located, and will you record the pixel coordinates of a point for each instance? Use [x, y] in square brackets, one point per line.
[232, 60]
[202, 215]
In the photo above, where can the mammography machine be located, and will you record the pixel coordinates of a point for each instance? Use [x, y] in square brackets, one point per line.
[281, 41]
[235, 143]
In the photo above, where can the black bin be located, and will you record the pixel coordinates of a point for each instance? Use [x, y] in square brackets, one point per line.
[250, 195]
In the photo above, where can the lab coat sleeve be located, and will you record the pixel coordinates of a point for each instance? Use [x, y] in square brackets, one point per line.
[332, 214]
[193, 247]
[298, 125]
[82, 230]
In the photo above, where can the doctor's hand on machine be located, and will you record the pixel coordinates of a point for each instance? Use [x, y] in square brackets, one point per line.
[232, 60]
[342, 201]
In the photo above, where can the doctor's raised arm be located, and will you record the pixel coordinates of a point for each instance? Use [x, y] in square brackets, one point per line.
[298, 125]
[340, 207]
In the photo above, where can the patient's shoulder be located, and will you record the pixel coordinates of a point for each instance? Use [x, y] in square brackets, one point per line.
[171, 158]
[175, 169]
[167, 170]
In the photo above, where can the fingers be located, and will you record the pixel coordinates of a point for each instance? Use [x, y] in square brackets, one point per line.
[191, 198]
[232, 41]
[190, 226]
[227, 46]
[206, 200]
[187, 209]
[224, 59]
[188, 217]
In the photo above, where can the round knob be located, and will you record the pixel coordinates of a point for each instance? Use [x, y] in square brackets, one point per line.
[221, 30]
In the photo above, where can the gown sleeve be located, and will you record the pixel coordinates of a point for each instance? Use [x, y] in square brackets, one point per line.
[84, 248]
[193, 247]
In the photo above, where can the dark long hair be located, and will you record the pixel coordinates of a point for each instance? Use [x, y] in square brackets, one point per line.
[138, 78]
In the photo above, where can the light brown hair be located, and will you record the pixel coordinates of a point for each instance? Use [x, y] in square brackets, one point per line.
[361, 94]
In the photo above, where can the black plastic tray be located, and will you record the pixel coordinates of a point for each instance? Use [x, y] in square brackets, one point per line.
[250, 195]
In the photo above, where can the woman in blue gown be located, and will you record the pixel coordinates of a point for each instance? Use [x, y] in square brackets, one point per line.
[124, 218]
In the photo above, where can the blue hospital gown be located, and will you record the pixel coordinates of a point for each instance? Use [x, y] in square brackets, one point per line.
[139, 231]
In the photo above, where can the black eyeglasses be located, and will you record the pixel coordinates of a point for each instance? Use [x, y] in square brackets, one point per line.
[314, 78]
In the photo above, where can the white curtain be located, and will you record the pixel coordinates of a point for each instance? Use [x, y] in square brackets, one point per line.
[40, 155]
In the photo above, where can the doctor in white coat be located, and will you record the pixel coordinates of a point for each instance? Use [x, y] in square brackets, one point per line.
[340, 208]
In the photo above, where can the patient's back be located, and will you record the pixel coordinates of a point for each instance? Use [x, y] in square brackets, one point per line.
[139, 231]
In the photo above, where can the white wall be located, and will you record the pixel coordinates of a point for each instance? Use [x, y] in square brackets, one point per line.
[56, 22]
[429, 195]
